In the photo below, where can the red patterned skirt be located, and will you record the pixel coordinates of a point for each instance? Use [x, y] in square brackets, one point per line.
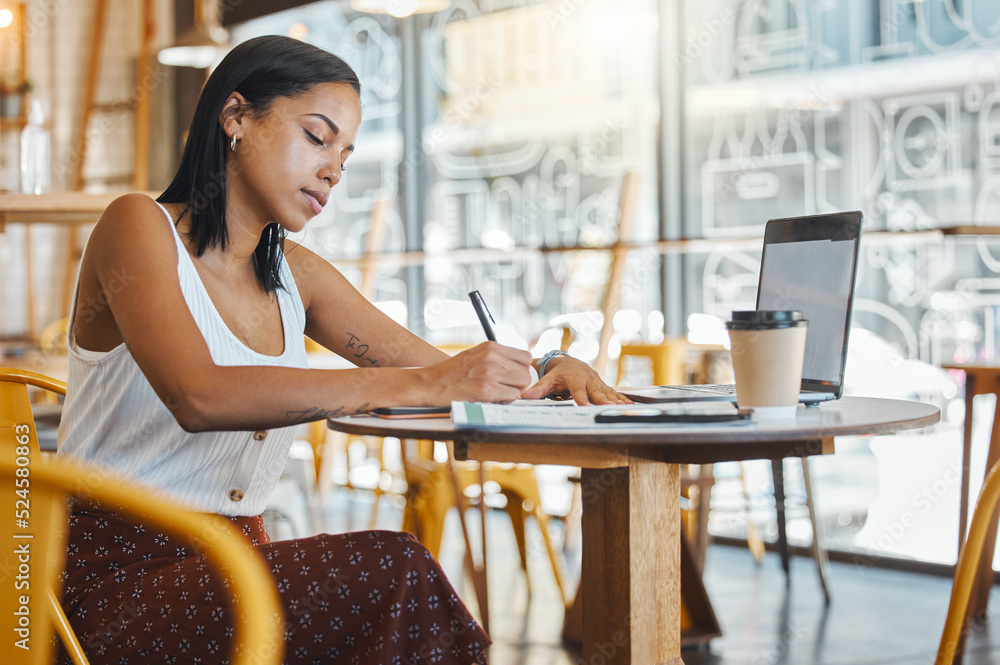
[138, 596]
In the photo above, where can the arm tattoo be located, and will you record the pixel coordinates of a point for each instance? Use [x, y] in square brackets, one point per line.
[313, 413]
[360, 350]
[316, 413]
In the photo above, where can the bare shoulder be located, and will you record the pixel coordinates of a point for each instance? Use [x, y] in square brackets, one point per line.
[132, 244]
[135, 203]
[131, 217]
[132, 223]
[133, 234]
[302, 259]
[132, 210]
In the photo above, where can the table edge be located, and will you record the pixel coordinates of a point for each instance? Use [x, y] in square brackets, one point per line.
[708, 437]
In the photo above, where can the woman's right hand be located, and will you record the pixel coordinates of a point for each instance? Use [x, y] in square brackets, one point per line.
[488, 372]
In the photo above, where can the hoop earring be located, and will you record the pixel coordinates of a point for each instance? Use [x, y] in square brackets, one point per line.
[232, 144]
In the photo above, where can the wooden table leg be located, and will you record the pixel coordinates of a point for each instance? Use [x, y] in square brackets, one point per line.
[631, 564]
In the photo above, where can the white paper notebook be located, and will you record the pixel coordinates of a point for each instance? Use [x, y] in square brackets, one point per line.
[567, 415]
[559, 415]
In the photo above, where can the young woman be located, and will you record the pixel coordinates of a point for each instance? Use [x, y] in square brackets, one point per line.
[188, 373]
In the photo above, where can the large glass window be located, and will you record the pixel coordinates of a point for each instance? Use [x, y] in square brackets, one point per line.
[796, 107]
[500, 133]
[537, 112]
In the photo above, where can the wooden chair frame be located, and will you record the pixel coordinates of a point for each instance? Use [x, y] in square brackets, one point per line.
[39, 487]
[955, 625]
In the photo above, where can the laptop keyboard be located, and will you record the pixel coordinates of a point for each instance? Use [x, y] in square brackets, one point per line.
[710, 388]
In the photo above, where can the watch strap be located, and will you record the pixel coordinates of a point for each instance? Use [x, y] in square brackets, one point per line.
[543, 364]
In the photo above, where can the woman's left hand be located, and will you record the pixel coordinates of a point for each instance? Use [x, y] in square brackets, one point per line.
[569, 376]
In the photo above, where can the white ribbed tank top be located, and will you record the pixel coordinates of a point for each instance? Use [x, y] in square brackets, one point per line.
[113, 418]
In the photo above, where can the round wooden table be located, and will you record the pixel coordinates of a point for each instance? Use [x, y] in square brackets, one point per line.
[631, 499]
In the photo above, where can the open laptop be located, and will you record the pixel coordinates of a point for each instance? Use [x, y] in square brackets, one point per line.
[809, 264]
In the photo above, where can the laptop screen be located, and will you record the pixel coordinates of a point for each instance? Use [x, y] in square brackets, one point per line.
[809, 264]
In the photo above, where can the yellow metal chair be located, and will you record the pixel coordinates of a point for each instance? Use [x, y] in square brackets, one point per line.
[326, 445]
[432, 495]
[432, 490]
[953, 636]
[36, 490]
[668, 360]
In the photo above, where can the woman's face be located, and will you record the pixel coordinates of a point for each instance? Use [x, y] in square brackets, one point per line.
[290, 158]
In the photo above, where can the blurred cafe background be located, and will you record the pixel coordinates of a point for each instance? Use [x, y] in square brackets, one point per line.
[497, 143]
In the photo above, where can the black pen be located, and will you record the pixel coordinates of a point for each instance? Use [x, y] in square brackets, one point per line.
[484, 314]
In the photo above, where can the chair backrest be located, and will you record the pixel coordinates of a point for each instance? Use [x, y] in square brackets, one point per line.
[968, 565]
[35, 525]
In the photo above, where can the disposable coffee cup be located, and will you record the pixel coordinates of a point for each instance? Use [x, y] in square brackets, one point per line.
[767, 349]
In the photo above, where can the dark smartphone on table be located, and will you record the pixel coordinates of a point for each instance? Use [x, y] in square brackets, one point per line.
[640, 414]
[412, 412]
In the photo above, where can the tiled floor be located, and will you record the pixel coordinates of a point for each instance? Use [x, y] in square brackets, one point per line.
[876, 616]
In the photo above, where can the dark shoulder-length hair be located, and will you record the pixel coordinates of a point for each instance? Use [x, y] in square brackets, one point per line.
[260, 69]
